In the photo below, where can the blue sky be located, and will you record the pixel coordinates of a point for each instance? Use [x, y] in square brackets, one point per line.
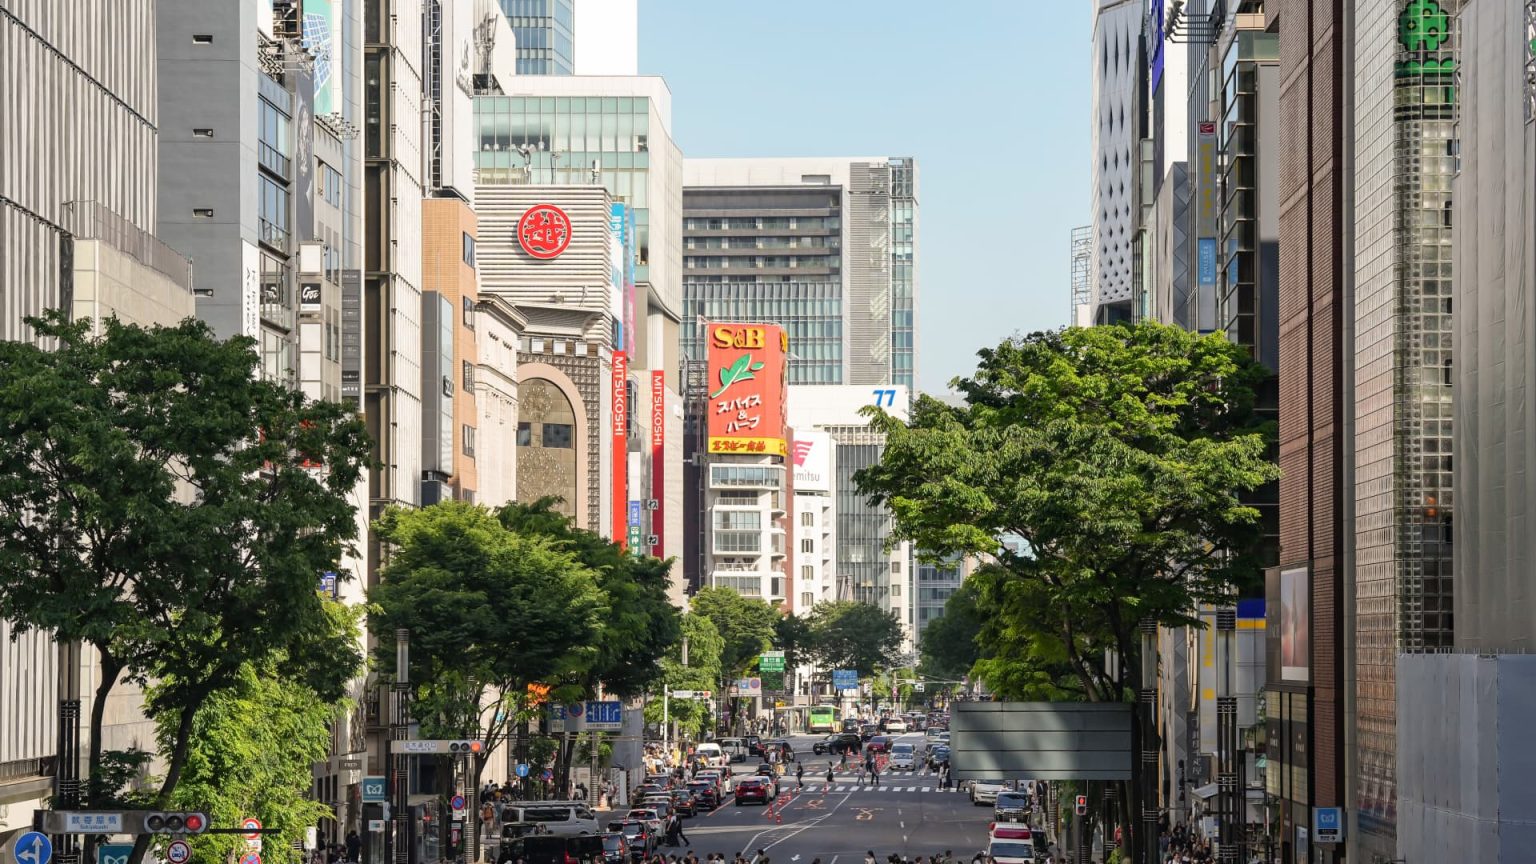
[990, 96]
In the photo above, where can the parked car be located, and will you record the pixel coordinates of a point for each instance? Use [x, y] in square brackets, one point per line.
[756, 788]
[837, 742]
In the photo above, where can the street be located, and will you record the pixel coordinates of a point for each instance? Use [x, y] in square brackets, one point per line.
[906, 814]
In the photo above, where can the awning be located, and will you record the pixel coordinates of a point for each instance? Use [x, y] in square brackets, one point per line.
[1209, 790]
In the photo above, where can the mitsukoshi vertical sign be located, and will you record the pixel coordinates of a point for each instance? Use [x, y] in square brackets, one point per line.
[746, 389]
[658, 459]
[620, 433]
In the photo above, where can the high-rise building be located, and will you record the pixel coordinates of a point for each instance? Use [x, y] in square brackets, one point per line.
[79, 202]
[1117, 130]
[826, 246]
[1462, 738]
[814, 556]
[1405, 130]
[1305, 699]
[545, 31]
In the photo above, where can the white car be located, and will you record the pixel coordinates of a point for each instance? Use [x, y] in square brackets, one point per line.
[985, 791]
[1012, 845]
[903, 757]
[711, 753]
[895, 726]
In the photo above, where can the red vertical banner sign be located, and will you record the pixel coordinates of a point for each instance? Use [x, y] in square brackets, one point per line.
[620, 448]
[658, 459]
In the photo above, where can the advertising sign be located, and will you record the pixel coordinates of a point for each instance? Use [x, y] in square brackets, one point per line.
[1295, 624]
[658, 458]
[544, 232]
[813, 462]
[1205, 255]
[1155, 34]
[322, 40]
[747, 365]
[619, 393]
[1328, 824]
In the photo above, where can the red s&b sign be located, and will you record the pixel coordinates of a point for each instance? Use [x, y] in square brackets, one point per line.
[544, 231]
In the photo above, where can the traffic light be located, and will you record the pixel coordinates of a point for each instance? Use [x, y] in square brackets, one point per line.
[464, 748]
[175, 823]
[1082, 805]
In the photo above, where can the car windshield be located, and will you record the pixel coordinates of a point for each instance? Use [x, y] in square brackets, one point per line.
[1012, 799]
[902, 748]
[1012, 850]
[612, 843]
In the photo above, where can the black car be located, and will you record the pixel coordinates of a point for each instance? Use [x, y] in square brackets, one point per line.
[837, 743]
[754, 745]
[938, 755]
[704, 794]
[615, 848]
[553, 849]
[684, 802]
[783, 746]
[638, 836]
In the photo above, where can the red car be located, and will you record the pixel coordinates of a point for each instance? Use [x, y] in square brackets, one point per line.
[878, 744]
[753, 789]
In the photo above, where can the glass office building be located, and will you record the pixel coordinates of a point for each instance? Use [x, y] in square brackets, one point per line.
[544, 30]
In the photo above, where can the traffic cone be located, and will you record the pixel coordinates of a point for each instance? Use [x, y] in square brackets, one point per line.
[780, 818]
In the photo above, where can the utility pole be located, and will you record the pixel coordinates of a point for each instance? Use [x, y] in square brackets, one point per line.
[396, 758]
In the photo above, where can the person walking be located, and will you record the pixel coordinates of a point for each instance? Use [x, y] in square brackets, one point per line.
[683, 838]
[800, 774]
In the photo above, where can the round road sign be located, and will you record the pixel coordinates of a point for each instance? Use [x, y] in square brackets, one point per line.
[252, 828]
[250, 858]
[458, 802]
[178, 852]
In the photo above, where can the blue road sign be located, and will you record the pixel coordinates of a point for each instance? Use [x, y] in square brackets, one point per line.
[373, 789]
[33, 848]
[521, 769]
[114, 853]
[845, 679]
[457, 802]
[1327, 824]
[605, 715]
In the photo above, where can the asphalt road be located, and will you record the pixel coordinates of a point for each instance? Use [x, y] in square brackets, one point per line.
[906, 814]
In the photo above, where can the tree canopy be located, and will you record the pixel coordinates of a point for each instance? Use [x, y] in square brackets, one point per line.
[949, 647]
[702, 672]
[489, 611]
[851, 635]
[745, 625]
[1117, 456]
[163, 504]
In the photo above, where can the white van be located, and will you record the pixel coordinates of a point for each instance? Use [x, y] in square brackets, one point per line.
[711, 753]
[895, 726]
[903, 757]
[567, 818]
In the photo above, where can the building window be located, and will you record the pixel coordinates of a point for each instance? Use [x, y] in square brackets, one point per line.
[807, 545]
[895, 589]
[807, 572]
[559, 435]
[806, 599]
[525, 434]
[469, 377]
[273, 215]
[469, 249]
[272, 139]
[738, 541]
[808, 519]
[742, 520]
[467, 433]
[469, 313]
[895, 566]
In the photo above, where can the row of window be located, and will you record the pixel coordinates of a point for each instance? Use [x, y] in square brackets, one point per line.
[814, 241]
[560, 436]
[755, 262]
[759, 223]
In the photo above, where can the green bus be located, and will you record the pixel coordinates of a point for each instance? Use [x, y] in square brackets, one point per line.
[822, 718]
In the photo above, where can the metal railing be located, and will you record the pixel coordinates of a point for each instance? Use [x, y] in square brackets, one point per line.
[88, 220]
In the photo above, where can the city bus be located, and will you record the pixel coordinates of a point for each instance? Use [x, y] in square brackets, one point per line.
[822, 718]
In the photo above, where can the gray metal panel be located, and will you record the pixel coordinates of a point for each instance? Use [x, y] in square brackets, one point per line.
[1040, 741]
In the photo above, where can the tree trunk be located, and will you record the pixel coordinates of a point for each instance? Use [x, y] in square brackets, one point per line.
[111, 667]
[172, 776]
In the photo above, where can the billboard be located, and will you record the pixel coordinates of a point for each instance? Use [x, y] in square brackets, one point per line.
[747, 365]
[658, 458]
[321, 37]
[812, 454]
[1295, 625]
[619, 393]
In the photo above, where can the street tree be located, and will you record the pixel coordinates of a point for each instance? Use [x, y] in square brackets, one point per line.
[949, 647]
[701, 672]
[1117, 456]
[490, 612]
[745, 624]
[641, 623]
[850, 635]
[163, 504]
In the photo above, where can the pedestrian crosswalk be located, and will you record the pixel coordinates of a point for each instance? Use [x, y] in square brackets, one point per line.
[866, 787]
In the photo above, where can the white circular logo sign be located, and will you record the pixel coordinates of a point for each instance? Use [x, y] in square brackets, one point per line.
[178, 852]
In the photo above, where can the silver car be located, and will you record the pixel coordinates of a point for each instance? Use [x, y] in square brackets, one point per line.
[985, 791]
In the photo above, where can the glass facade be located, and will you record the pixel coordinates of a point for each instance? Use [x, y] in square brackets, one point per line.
[936, 583]
[903, 237]
[556, 140]
[544, 31]
[1405, 126]
[863, 563]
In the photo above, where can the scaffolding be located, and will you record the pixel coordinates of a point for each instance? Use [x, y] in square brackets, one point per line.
[1082, 259]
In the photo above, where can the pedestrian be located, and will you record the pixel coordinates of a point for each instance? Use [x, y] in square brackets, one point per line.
[354, 846]
[869, 857]
[683, 838]
[800, 774]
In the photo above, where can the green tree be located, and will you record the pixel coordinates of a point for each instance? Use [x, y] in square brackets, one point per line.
[641, 623]
[851, 635]
[702, 672]
[792, 635]
[745, 625]
[949, 647]
[252, 752]
[162, 504]
[489, 611]
[1117, 455]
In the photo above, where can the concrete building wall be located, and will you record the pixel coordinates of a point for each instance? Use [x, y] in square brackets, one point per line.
[499, 329]
[448, 274]
[1115, 132]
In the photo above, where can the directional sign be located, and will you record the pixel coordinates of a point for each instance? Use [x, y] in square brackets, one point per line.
[457, 802]
[33, 848]
[78, 822]
[114, 853]
[607, 716]
[521, 769]
[1328, 824]
[682, 694]
[428, 747]
[771, 661]
[373, 789]
[178, 852]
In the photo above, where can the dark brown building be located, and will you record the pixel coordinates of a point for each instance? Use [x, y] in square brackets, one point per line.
[1305, 698]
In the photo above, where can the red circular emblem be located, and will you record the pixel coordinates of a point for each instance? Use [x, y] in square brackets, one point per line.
[544, 231]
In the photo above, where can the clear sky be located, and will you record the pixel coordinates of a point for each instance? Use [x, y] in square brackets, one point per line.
[990, 96]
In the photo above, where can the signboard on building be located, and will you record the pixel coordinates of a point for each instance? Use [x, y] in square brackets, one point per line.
[812, 453]
[658, 459]
[619, 394]
[544, 232]
[1295, 625]
[747, 364]
[1328, 824]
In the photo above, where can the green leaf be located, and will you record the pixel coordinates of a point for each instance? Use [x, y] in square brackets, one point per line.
[756, 366]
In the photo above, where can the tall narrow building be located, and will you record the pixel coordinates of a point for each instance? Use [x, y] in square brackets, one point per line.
[1117, 129]
[1404, 129]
